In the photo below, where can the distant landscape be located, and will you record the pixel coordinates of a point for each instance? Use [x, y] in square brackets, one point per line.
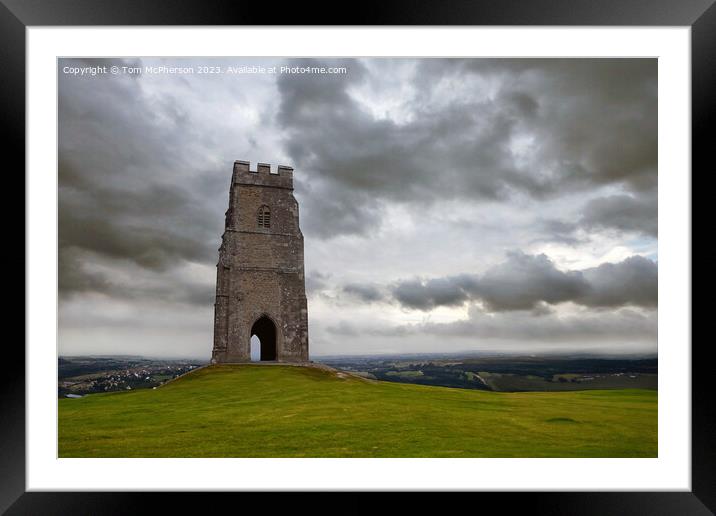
[82, 375]
[508, 373]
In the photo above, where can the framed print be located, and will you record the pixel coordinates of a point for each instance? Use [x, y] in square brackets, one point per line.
[442, 249]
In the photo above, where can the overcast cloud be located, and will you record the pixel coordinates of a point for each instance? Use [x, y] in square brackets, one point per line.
[447, 204]
[523, 282]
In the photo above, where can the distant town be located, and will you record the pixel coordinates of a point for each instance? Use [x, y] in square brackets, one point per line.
[81, 375]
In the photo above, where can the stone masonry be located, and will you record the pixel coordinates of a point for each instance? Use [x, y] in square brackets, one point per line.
[260, 285]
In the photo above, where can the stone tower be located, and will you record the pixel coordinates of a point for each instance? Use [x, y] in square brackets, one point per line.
[260, 285]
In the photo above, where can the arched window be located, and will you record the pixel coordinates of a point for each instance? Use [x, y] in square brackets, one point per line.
[264, 217]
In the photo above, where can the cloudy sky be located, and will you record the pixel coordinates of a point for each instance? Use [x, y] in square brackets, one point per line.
[447, 205]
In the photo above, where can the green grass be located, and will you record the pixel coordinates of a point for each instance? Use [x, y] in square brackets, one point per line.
[285, 411]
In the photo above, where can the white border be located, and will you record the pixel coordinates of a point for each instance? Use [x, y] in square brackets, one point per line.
[670, 471]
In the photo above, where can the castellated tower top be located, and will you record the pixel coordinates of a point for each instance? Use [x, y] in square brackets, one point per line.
[279, 177]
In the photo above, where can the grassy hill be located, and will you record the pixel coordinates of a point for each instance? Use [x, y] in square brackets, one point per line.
[286, 411]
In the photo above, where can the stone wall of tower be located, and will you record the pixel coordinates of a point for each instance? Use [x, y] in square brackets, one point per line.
[260, 270]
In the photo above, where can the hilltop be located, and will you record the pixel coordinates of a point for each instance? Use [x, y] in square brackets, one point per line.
[287, 411]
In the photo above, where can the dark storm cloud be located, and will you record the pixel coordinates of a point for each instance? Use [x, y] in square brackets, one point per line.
[72, 278]
[558, 231]
[623, 213]
[583, 122]
[522, 281]
[337, 212]
[121, 283]
[634, 213]
[525, 282]
[124, 191]
[426, 295]
[366, 293]
[631, 282]
[151, 227]
[597, 118]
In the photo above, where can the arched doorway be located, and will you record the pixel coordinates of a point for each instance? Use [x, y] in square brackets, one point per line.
[265, 330]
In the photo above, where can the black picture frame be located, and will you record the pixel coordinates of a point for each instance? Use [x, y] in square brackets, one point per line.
[17, 15]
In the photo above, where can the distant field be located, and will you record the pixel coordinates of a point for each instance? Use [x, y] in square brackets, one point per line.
[285, 411]
[571, 382]
[509, 373]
